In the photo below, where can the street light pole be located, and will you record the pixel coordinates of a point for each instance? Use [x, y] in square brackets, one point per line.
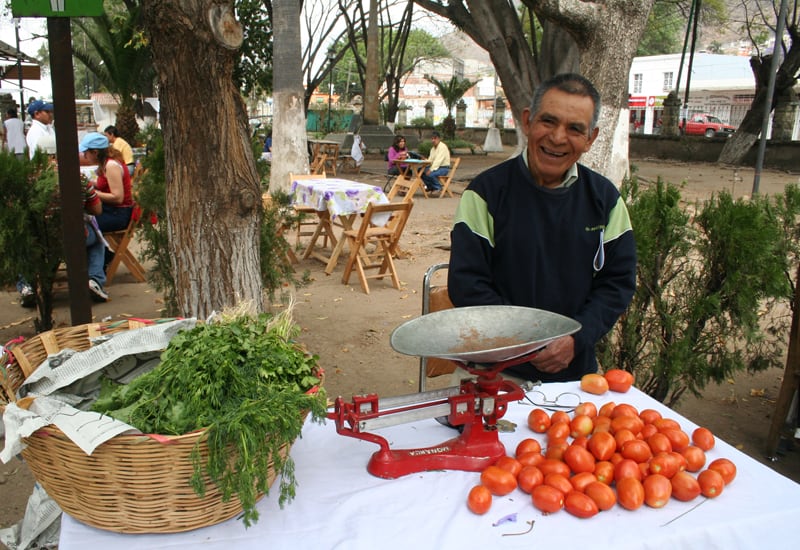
[331, 57]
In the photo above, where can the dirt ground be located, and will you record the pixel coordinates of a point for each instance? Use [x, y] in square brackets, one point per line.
[350, 330]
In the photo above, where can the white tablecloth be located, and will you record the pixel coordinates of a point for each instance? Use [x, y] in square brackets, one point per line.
[339, 505]
[336, 195]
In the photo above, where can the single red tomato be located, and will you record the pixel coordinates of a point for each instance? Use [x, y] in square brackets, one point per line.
[579, 459]
[499, 481]
[538, 420]
[581, 480]
[588, 408]
[632, 423]
[619, 380]
[649, 416]
[625, 409]
[695, 458]
[664, 463]
[724, 467]
[657, 490]
[636, 450]
[604, 472]
[678, 438]
[580, 505]
[553, 466]
[508, 463]
[580, 426]
[711, 483]
[555, 449]
[603, 495]
[560, 482]
[703, 438]
[647, 431]
[558, 431]
[528, 445]
[529, 477]
[627, 468]
[479, 499]
[666, 424]
[602, 445]
[659, 443]
[684, 486]
[547, 499]
[622, 436]
[530, 459]
[558, 417]
[606, 409]
[594, 383]
[630, 493]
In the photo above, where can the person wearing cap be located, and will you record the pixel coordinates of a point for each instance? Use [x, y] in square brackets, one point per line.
[120, 145]
[41, 125]
[440, 164]
[113, 185]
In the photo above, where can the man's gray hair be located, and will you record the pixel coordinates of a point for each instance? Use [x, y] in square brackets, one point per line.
[571, 83]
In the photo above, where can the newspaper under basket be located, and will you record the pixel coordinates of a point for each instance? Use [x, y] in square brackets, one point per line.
[131, 483]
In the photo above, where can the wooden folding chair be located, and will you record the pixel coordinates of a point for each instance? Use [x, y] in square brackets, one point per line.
[118, 241]
[446, 180]
[318, 164]
[434, 298]
[307, 219]
[404, 186]
[382, 237]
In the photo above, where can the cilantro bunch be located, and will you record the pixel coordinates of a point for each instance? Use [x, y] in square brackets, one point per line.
[244, 381]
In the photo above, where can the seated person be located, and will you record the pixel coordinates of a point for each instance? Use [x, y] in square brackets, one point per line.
[120, 145]
[95, 244]
[113, 185]
[440, 164]
[397, 151]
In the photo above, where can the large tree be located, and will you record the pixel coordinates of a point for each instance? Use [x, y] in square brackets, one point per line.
[605, 35]
[213, 192]
[289, 145]
[763, 15]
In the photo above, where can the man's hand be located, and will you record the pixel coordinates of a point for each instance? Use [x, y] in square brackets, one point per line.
[556, 356]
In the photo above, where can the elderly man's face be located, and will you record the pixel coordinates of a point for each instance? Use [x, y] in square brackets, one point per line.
[558, 134]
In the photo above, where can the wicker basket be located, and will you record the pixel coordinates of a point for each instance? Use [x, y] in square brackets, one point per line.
[131, 483]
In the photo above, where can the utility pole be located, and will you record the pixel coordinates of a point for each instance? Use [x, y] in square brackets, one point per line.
[19, 72]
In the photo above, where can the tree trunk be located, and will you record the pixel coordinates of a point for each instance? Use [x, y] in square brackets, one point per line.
[289, 143]
[213, 193]
[372, 79]
[746, 135]
[605, 33]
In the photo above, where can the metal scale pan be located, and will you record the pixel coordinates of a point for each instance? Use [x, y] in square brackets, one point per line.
[481, 334]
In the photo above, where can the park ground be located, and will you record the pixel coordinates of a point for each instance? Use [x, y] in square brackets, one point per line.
[349, 330]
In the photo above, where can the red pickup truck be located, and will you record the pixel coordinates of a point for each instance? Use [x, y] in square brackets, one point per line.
[703, 124]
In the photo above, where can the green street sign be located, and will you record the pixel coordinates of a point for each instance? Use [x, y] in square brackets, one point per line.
[56, 8]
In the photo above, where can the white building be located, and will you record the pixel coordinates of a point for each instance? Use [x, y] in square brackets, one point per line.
[722, 85]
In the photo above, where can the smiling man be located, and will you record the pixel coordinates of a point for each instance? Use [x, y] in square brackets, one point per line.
[541, 230]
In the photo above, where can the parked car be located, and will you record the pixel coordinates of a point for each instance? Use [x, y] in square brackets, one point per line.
[704, 124]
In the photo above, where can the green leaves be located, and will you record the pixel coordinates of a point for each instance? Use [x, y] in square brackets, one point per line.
[244, 381]
[710, 281]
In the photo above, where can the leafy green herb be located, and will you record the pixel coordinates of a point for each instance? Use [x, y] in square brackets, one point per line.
[243, 380]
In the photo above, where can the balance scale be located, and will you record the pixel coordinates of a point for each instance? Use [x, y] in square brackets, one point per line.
[483, 340]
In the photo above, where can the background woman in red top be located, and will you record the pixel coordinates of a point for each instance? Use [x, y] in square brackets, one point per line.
[113, 183]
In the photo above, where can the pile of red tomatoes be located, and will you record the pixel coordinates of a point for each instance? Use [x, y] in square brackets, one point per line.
[597, 458]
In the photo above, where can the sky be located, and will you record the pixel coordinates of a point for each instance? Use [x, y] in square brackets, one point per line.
[29, 27]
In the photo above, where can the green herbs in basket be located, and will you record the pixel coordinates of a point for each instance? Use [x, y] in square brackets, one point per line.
[247, 384]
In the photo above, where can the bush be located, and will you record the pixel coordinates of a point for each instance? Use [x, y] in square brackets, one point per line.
[708, 289]
[31, 238]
